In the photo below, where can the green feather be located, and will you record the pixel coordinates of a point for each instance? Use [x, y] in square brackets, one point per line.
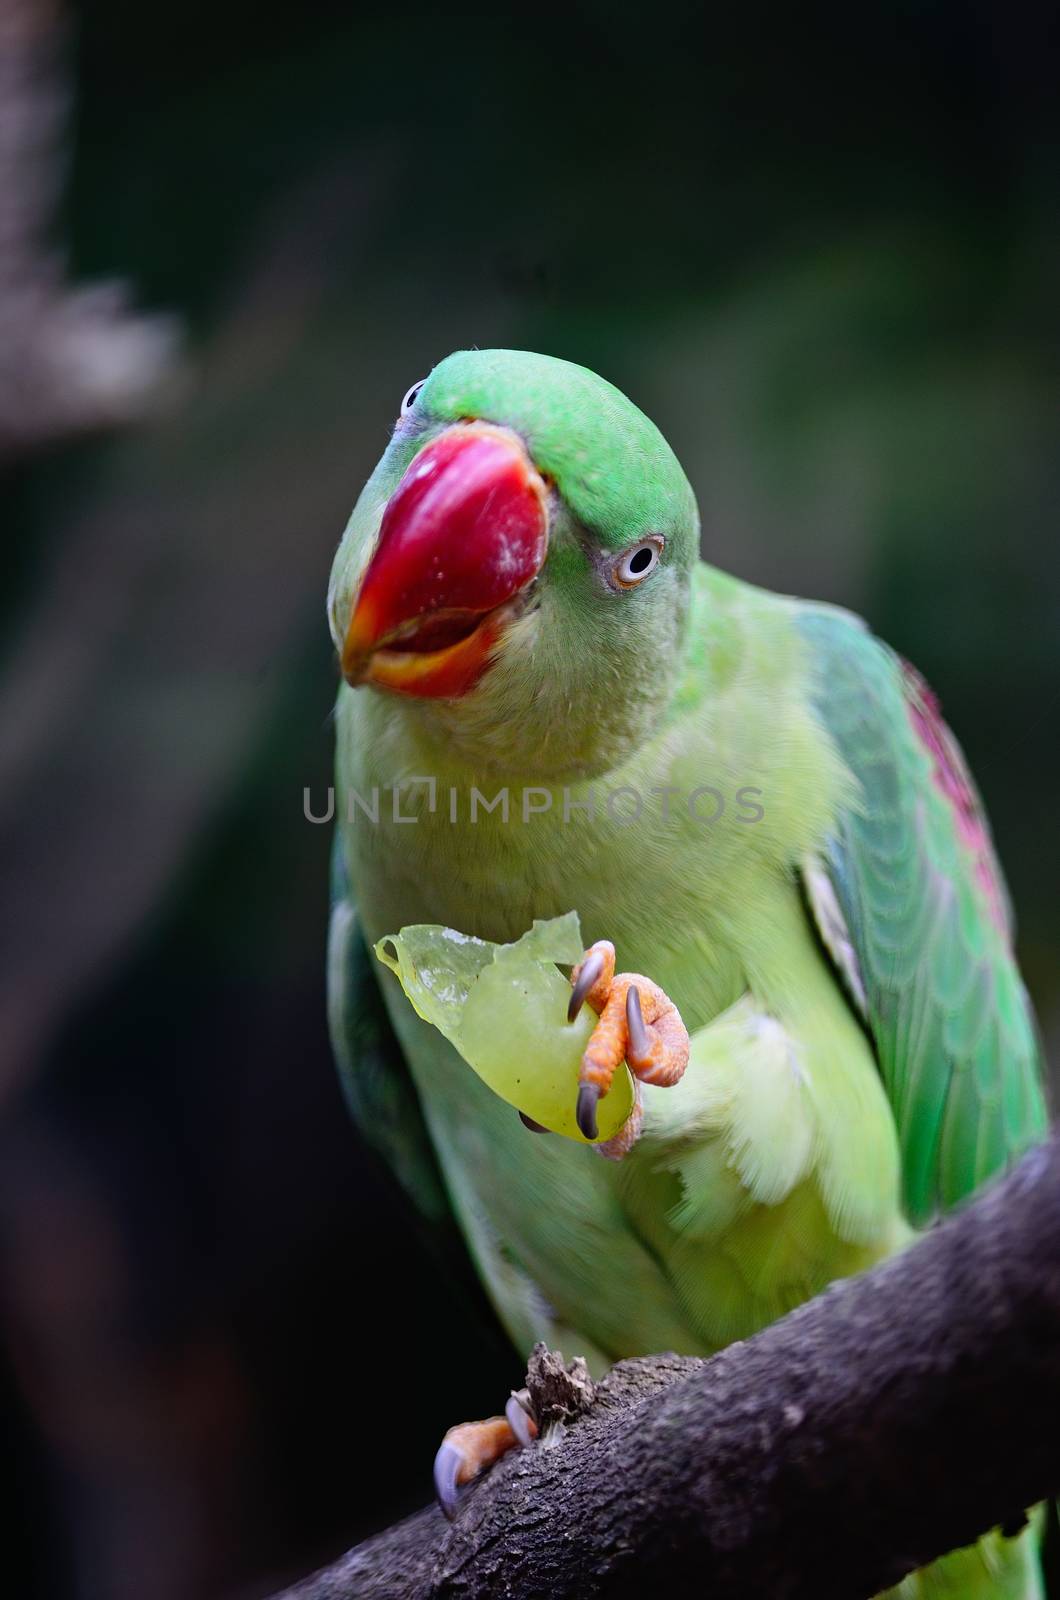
[954, 1033]
[812, 1125]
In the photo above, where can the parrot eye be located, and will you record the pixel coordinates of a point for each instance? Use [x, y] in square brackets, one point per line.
[410, 397]
[633, 567]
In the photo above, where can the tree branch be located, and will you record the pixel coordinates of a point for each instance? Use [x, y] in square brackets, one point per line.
[72, 360]
[898, 1416]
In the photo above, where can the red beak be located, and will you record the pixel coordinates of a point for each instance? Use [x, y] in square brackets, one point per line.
[463, 533]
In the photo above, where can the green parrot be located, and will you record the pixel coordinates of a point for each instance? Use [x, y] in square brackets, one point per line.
[552, 704]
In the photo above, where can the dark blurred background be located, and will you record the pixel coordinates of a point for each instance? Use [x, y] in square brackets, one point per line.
[819, 245]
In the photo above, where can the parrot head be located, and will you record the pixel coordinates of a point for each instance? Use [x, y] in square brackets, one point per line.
[520, 559]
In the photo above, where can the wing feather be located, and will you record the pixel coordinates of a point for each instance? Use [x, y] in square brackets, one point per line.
[928, 921]
[375, 1078]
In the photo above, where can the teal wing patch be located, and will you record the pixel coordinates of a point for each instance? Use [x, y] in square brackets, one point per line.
[375, 1078]
[922, 896]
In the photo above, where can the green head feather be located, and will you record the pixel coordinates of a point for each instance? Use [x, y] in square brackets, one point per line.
[616, 474]
[586, 670]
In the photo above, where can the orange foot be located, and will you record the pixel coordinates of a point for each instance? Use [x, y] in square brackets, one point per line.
[639, 1024]
[470, 1448]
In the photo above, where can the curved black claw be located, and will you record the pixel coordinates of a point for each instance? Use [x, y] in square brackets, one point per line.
[588, 1095]
[519, 1413]
[592, 967]
[447, 1464]
[528, 1122]
[639, 1043]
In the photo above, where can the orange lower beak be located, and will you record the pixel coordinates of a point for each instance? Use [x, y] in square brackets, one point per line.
[463, 534]
[432, 674]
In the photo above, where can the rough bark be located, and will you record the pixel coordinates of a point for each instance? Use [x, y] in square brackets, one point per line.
[898, 1416]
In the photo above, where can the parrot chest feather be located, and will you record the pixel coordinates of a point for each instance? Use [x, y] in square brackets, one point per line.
[772, 1167]
[675, 854]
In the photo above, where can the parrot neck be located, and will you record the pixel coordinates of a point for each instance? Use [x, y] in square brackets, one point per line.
[530, 748]
[567, 700]
[733, 772]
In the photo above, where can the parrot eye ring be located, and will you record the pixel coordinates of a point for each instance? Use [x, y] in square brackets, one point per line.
[410, 396]
[636, 564]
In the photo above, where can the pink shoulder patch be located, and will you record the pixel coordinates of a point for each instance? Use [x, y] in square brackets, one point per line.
[953, 780]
